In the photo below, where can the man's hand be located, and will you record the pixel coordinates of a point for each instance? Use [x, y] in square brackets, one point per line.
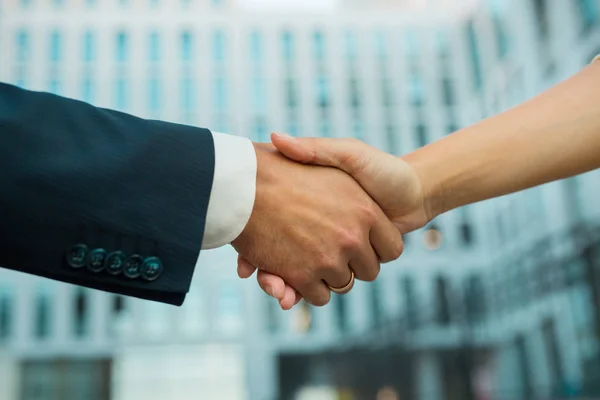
[389, 180]
[312, 226]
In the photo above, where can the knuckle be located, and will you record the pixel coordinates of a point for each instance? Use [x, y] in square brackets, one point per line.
[327, 261]
[368, 212]
[349, 240]
[371, 273]
[320, 301]
[394, 251]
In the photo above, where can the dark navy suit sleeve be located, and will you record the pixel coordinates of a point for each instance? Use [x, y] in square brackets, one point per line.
[100, 198]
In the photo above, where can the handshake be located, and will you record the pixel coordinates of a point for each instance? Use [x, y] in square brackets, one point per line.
[326, 211]
[318, 226]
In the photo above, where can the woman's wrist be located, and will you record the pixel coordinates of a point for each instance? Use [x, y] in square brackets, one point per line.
[434, 201]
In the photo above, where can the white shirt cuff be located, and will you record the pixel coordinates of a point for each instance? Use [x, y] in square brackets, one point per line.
[234, 186]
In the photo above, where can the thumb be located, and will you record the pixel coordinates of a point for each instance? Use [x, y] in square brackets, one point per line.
[349, 155]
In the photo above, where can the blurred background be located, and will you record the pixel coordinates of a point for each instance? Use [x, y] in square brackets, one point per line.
[499, 300]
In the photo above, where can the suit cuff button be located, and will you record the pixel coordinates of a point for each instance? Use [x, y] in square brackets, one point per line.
[132, 266]
[96, 260]
[152, 269]
[77, 255]
[114, 262]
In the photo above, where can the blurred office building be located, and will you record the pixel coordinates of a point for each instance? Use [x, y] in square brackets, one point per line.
[498, 300]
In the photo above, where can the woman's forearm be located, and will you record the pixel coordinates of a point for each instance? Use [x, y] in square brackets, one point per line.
[553, 136]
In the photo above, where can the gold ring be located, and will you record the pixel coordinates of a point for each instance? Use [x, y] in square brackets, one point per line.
[344, 289]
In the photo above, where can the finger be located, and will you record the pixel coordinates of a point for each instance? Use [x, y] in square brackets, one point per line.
[298, 298]
[365, 263]
[338, 277]
[317, 293]
[244, 269]
[273, 285]
[349, 155]
[289, 298]
[385, 238]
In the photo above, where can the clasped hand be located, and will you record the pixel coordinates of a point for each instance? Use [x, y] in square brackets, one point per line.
[326, 211]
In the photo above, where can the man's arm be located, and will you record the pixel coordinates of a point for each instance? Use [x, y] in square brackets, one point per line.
[103, 199]
[106, 200]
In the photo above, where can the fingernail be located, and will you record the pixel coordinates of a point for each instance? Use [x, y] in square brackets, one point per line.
[284, 135]
[270, 291]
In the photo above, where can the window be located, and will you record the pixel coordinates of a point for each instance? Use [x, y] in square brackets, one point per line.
[553, 351]
[229, 312]
[6, 317]
[466, 228]
[474, 54]
[443, 47]
[291, 94]
[499, 28]
[341, 313]
[416, 90]
[186, 46]
[218, 46]
[354, 93]
[118, 304]
[392, 138]
[288, 46]
[421, 133]
[524, 371]
[272, 314]
[122, 47]
[358, 130]
[443, 316]
[260, 130]
[350, 45]
[293, 128]
[410, 302]
[319, 46]
[80, 311]
[387, 93]
[325, 129]
[475, 304]
[259, 98]
[154, 95]
[154, 47]
[322, 92]
[220, 94]
[376, 306]
[540, 11]
[588, 10]
[121, 94]
[88, 47]
[255, 46]
[87, 90]
[447, 92]
[22, 46]
[187, 94]
[55, 46]
[380, 45]
[412, 44]
[42, 315]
